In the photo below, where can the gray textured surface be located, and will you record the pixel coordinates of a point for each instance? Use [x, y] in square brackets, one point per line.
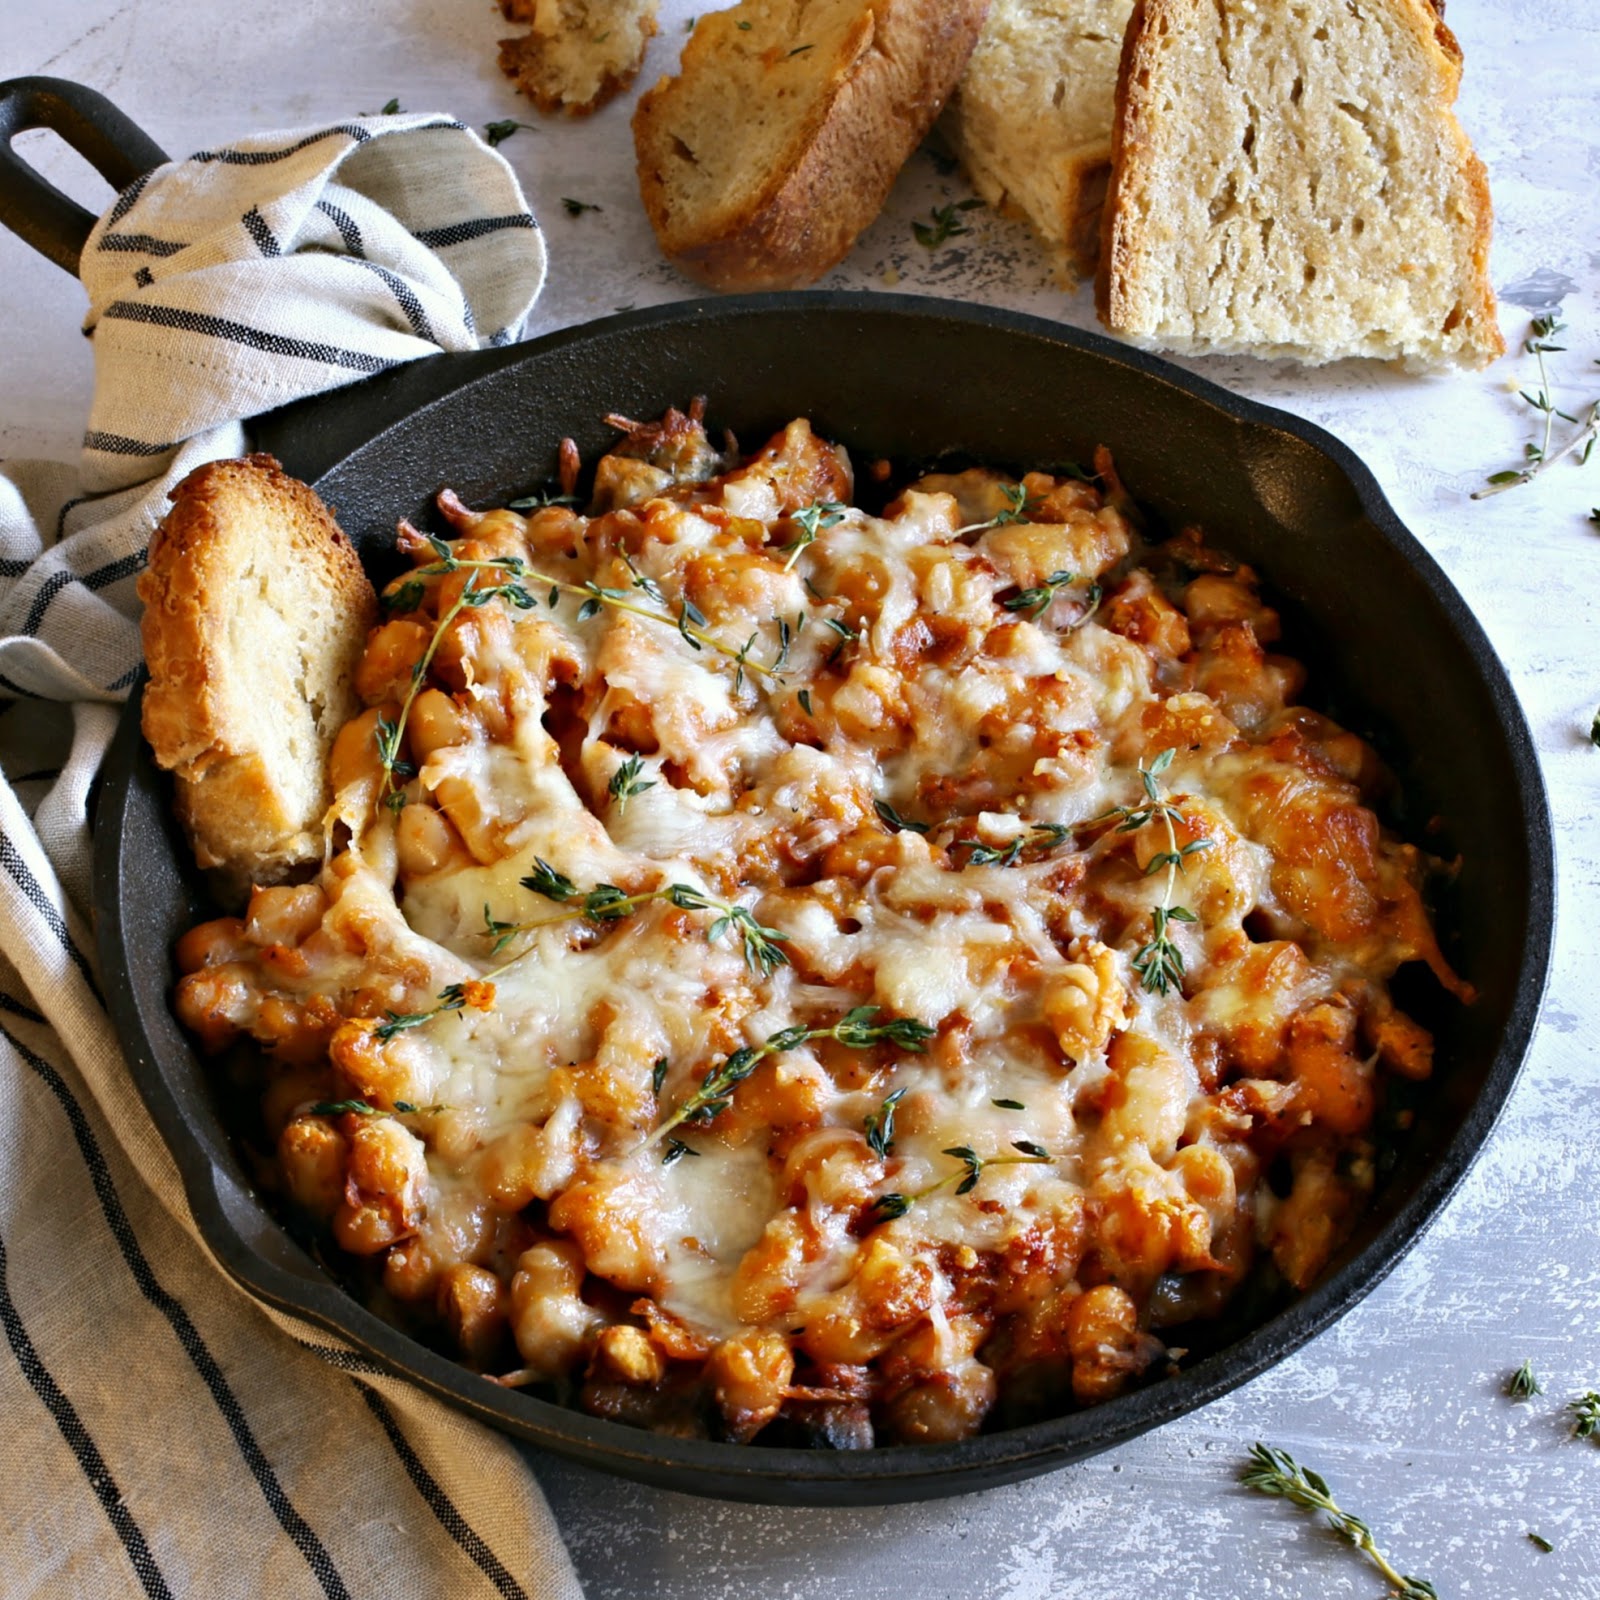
[1400, 1404]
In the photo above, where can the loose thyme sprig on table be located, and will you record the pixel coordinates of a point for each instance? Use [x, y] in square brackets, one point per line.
[1586, 1416]
[889, 1206]
[1159, 962]
[946, 223]
[607, 903]
[1276, 1472]
[1539, 456]
[1522, 1384]
[855, 1030]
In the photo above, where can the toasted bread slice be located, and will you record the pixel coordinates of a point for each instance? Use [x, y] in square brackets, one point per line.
[1288, 179]
[779, 139]
[577, 54]
[1031, 119]
[256, 612]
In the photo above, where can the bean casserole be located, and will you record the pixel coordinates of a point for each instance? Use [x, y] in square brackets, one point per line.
[786, 972]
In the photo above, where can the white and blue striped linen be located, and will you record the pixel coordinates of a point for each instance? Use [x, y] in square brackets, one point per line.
[163, 1434]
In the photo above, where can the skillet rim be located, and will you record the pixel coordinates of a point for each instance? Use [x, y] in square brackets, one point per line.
[779, 1474]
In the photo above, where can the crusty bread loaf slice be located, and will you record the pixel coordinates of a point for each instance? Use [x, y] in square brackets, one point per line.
[1289, 179]
[1031, 119]
[577, 54]
[779, 139]
[256, 613]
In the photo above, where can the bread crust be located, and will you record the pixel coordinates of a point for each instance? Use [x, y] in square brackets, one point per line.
[256, 611]
[556, 78]
[1116, 281]
[885, 87]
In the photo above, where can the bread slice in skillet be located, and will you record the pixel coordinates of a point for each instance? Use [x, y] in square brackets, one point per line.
[1289, 179]
[779, 140]
[256, 612]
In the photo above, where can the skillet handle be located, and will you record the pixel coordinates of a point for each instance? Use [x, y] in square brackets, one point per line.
[112, 143]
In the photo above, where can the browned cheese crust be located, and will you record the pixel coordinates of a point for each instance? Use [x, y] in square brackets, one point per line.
[256, 612]
[828, 177]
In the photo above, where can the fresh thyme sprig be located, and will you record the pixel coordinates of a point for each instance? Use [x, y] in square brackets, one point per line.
[1586, 1414]
[496, 133]
[1276, 1472]
[879, 1124]
[363, 1108]
[690, 621]
[1522, 1384]
[1045, 836]
[1035, 600]
[819, 515]
[1159, 961]
[1016, 510]
[478, 993]
[946, 223]
[626, 782]
[855, 1030]
[1539, 456]
[894, 822]
[390, 734]
[965, 1178]
[607, 903]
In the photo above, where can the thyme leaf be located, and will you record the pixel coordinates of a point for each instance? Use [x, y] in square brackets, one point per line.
[1044, 836]
[1159, 961]
[576, 208]
[945, 224]
[880, 1124]
[819, 515]
[478, 993]
[856, 1030]
[607, 903]
[1016, 510]
[1522, 1384]
[496, 133]
[362, 1108]
[626, 782]
[965, 1178]
[1586, 1416]
[1537, 457]
[893, 821]
[1276, 1472]
[1035, 601]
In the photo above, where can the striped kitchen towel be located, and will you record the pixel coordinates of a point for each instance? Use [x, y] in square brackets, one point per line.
[163, 1434]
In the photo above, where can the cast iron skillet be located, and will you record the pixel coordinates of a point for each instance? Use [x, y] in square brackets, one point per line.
[1394, 653]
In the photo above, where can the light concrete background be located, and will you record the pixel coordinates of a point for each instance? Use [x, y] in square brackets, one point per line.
[1399, 1405]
